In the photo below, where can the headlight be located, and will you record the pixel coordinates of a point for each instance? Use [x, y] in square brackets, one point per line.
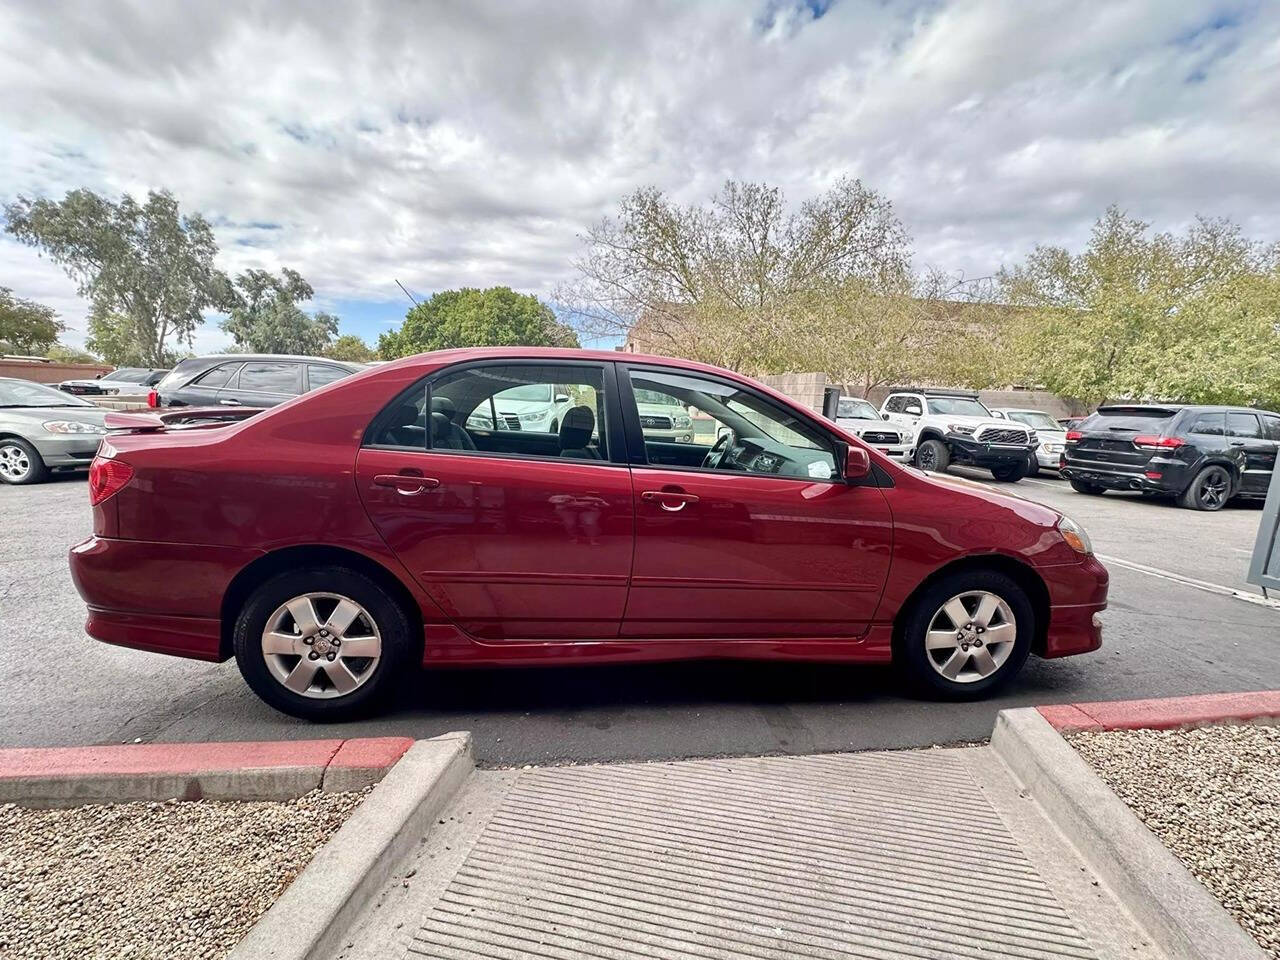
[532, 417]
[73, 426]
[1075, 536]
[961, 428]
[683, 423]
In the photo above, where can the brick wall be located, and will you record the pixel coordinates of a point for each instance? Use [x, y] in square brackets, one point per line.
[52, 372]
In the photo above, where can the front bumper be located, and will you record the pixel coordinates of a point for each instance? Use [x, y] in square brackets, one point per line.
[669, 436]
[1077, 594]
[967, 450]
[60, 450]
[1048, 459]
[902, 453]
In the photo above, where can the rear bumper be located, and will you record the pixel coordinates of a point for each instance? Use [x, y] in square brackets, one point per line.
[1077, 594]
[119, 579]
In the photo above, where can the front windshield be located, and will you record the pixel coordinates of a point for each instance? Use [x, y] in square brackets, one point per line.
[957, 407]
[534, 392]
[656, 398]
[25, 393]
[854, 409]
[125, 373]
[1035, 419]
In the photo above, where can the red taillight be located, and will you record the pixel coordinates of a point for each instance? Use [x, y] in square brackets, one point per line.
[1074, 435]
[153, 399]
[106, 477]
[1159, 443]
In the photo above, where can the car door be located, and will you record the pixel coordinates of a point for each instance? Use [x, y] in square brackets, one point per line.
[1244, 431]
[749, 533]
[203, 390]
[263, 383]
[517, 535]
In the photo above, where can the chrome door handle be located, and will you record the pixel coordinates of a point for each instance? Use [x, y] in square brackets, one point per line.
[406, 484]
[663, 498]
[230, 403]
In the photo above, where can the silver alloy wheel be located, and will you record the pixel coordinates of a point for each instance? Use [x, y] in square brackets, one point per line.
[970, 637]
[321, 645]
[15, 464]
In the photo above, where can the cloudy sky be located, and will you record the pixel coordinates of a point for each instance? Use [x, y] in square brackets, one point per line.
[471, 143]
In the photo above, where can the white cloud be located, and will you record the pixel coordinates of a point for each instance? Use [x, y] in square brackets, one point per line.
[471, 143]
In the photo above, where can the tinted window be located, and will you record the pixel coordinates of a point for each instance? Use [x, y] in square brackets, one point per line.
[911, 405]
[1129, 419]
[1244, 425]
[893, 405]
[1272, 425]
[269, 377]
[219, 375]
[318, 374]
[746, 432]
[1208, 424]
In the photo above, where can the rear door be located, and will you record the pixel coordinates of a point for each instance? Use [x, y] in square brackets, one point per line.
[1244, 431]
[202, 391]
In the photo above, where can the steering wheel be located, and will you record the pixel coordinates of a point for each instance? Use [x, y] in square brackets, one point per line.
[715, 456]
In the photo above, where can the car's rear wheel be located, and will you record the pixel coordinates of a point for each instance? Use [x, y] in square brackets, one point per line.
[322, 643]
[1083, 486]
[20, 462]
[1009, 473]
[932, 456]
[1210, 490]
[967, 635]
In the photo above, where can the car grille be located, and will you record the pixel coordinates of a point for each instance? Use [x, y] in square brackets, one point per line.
[511, 420]
[879, 436]
[656, 423]
[1002, 435]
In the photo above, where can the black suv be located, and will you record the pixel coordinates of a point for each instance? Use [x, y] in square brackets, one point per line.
[248, 380]
[1201, 455]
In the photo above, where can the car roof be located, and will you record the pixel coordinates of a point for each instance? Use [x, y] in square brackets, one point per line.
[218, 357]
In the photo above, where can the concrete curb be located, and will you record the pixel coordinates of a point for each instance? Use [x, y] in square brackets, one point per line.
[272, 770]
[1170, 713]
[312, 916]
[1181, 916]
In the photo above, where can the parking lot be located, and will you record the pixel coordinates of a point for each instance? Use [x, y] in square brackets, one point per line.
[1164, 637]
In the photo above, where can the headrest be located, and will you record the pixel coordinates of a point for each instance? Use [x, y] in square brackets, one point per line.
[576, 427]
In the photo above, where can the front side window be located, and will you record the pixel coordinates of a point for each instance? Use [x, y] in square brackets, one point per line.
[270, 377]
[1244, 425]
[743, 432]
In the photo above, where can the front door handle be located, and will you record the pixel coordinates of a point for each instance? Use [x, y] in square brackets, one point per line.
[405, 483]
[672, 501]
[230, 403]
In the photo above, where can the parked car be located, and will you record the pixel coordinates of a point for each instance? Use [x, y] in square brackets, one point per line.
[1051, 434]
[953, 426]
[127, 380]
[1201, 455]
[862, 419]
[335, 541]
[43, 429]
[251, 380]
[662, 417]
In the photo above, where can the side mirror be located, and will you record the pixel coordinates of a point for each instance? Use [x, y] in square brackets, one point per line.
[884, 416]
[562, 398]
[857, 463]
[998, 415]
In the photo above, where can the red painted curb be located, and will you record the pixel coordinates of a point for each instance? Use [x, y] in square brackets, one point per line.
[1164, 714]
[178, 759]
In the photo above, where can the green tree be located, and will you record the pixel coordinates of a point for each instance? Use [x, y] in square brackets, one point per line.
[351, 348]
[26, 327]
[475, 318]
[145, 263]
[60, 353]
[1192, 317]
[265, 316]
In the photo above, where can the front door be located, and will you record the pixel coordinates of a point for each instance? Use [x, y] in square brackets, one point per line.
[516, 534]
[750, 533]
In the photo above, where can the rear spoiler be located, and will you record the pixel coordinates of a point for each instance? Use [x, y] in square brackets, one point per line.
[128, 421]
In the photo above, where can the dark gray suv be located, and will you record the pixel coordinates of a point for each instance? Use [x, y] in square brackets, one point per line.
[245, 380]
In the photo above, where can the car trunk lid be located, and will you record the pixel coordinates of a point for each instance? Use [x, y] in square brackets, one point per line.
[1105, 440]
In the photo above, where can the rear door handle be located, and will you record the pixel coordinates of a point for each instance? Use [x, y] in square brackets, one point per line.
[405, 483]
[671, 501]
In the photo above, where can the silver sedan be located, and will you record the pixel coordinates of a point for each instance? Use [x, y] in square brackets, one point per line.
[43, 429]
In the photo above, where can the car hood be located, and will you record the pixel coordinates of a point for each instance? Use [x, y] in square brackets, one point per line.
[86, 383]
[32, 417]
[1051, 436]
[1030, 509]
[861, 425]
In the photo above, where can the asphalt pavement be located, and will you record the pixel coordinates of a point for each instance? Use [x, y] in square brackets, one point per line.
[1163, 638]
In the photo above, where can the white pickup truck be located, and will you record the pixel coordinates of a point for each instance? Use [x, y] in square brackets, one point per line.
[953, 426]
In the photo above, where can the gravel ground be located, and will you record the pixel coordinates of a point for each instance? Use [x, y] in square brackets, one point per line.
[151, 880]
[1213, 796]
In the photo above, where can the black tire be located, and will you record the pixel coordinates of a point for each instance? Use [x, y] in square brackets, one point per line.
[1210, 490]
[1010, 473]
[913, 658]
[932, 456]
[1033, 467]
[382, 609]
[21, 452]
[1083, 486]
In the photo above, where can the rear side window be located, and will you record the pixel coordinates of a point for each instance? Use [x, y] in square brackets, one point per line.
[318, 374]
[1244, 425]
[219, 375]
[1272, 425]
[1130, 419]
[270, 377]
[1208, 425]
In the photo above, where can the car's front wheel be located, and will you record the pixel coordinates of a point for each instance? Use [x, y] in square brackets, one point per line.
[20, 462]
[932, 456]
[967, 635]
[322, 643]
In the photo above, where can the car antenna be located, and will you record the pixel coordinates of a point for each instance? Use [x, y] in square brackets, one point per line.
[406, 292]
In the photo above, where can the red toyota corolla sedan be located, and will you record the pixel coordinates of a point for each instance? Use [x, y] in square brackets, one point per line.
[522, 506]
